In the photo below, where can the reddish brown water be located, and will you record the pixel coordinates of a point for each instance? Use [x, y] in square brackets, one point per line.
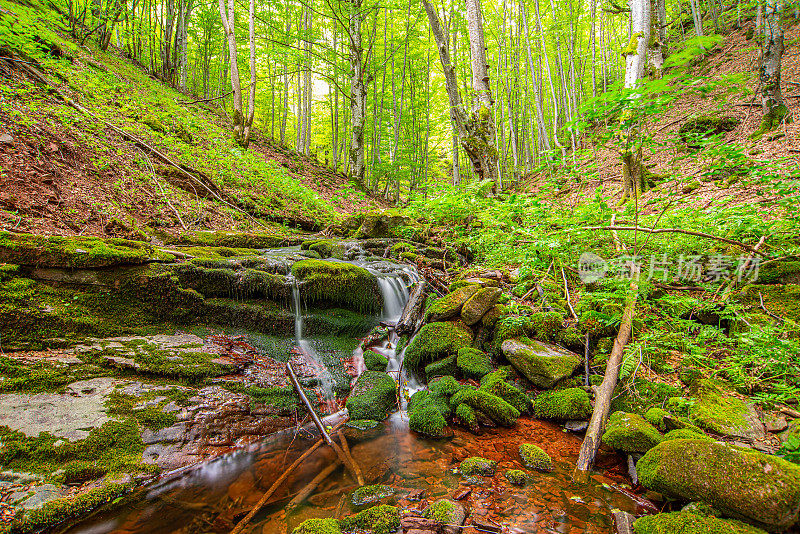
[214, 497]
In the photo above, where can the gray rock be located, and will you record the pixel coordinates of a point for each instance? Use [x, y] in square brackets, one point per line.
[6, 139]
[541, 363]
[576, 426]
[41, 495]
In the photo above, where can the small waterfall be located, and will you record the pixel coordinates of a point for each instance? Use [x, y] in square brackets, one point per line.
[304, 346]
[395, 295]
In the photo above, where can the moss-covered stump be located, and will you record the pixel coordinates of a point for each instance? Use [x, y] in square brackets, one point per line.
[719, 411]
[496, 384]
[339, 284]
[477, 466]
[541, 363]
[450, 305]
[435, 341]
[374, 361]
[385, 223]
[381, 519]
[328, 525]
[428, 412]
[518, 477]
[534, 457]
[690, 523]
[479, 304]
[373, 397]
[74, 252]
[562, 405]
[443, 367]
[740, 483]
[449, 514]
[628, 432]
[473, 363]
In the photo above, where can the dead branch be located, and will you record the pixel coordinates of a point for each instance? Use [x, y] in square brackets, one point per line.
[346, 450]
[566, 291]
[311, 486]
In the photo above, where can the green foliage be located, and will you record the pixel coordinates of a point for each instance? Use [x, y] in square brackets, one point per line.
[534, 457]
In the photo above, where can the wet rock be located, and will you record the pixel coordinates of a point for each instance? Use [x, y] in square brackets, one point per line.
[542, 363]
[385, 223]
[475, 465]
[373, 396]
[720, 412]
[449, 514]
[623, 522]
[435, 341]
[629, 433]
[479, 304]
[517, 477]
[450, 305]
[362, 429]
[761, 488]
[689, 523]
[41, 495]
[367, 495]
[576, 426]
[534, 457]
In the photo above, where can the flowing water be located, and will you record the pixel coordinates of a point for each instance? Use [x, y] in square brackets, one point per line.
[213, 497]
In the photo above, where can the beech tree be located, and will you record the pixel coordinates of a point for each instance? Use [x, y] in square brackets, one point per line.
[769, 75]
[242, 125]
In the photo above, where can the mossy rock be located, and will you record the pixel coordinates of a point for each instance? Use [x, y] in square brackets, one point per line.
[74, 252]
[491, 318]
[362, 429]
[338, 284]
[691, 187]
[241, 240]
[366, 495]
[446, 512]
[628, 432]
[534, 457]
[541, 363]
[386, 223]
[540, 325]
[568, 404]
[467, 415]
[374, 361]
[374, 396]
[780, 299]
[717, 410]
[477, 466]
[428, 413]
[435, 341]
[443, 367]
[232, 283]
[495, 384]
[325, 248]
[690, 523]
[655, 416]
[380, 519]
[450, 305]
[473, 363]
[779, 272]
[685, 433]
[490, 405]
[479, 304]
[327, 525]
[518, 477]
[741, 483]
[701, 126]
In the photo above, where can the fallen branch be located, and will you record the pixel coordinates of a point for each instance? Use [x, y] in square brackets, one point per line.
[346, 451]
[153, 176]
[605, 393]
[311, 486]
[275, 485]
[566, 291]
[676, 231]
[412, 316]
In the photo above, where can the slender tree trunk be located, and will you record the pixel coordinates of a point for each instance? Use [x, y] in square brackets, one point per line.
[697, 17]
[769, 73]
[358, 93]
[544, 138]
[241, 125]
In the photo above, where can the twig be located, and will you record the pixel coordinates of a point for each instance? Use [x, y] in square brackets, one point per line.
[346, 450]
[778, 317]
[678, 231]
[566, 291]
[153, 176]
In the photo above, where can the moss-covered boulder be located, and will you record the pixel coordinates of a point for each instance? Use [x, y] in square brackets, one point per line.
[362, 429]
[490, 405]
[477, 466]
[450, 305]
[326, 248]
[328, 525]
[444, 367]
[374, 396]
[717, 410]
[700, 126]
[541, 363]
[233, 239]
[655, 416]
[562, 405]
[74, 252]
[496, 384]
[449, 514]
[518, 477]
[629, 433]
[780, 272]
[381, 519]
[435, 341]
[740, 483]
[539, 325]
[428, 412]
[533, 457]
[384, 223]
[374, 361]
[467, 415]
[690, 523]
[479, 304]
[366, 495]
[473, 363]
[339, 284]
[685, 433]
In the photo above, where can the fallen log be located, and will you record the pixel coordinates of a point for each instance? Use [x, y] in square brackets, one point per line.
[412, 316]
[311, 486]
[605, 393]
[348, 454]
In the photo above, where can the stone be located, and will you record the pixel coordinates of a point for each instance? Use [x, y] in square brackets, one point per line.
[740, 483]
[690, 523]
[41, 495]
[450, 305]
[623, 522]
[718, 411]
[373, 397]
[479, 304]
[541, 363]
[576, 426]
[563, 405]
[449, 514]
[6, 139]
[775, 423]
[628, 432]
[534, 457]
[475, 465]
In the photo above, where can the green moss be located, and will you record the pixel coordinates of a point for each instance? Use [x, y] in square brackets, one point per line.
[318, 526]
[701, 126]
[340, 284]
[655, 416]
[690, 523]
[374, 361]
[374, 396]
[743, 483]
[629, 432]
[326, 248]
[445, 387]
[685, 433]
[535, 458]
[73, 252]
[477, 466]
[429, 410]
[450, 305]
[479, 304]
[775, 272]
[370, 494]
[494, 407]
[443, 511]
[59, 510]
[771, 120]
[9, 271]
[562, 405]
[718, 411]
[780, 299]
[381, 519]
[232, 240]
[541, 325]
[39, 376]
[435, 341]
[445, 366]
[232, 282]
[495, 384]
[473, 363]
[466, 414]
[541, 363]
[517, 477]
[647, 395]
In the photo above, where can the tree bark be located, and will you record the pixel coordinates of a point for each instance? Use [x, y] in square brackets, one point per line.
[358, 94]
[769, 73]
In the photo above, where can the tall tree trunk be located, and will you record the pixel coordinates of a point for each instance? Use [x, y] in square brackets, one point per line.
[241, 124]
[544, 138]
[769, 74]
[658, 37]
[358, 93]
[697, 17]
